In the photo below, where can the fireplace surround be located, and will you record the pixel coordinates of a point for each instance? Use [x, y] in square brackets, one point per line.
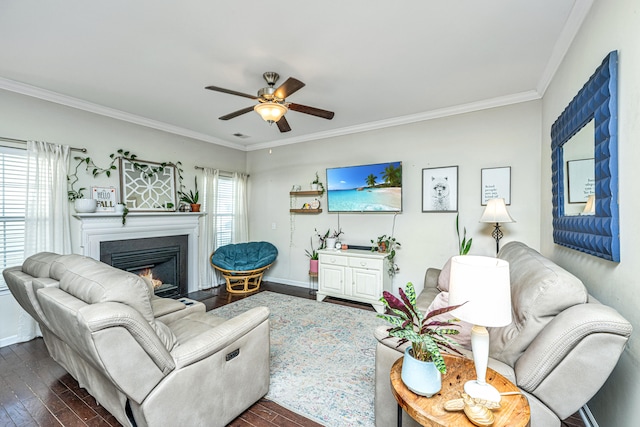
[98, 227]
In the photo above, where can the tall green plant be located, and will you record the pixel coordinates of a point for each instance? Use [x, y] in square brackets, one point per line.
[465, 245]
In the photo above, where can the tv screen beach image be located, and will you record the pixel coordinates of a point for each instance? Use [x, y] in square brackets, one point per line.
[366, 188]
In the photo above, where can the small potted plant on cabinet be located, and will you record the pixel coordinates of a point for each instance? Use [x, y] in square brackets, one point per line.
[387, 244]
[423, 364]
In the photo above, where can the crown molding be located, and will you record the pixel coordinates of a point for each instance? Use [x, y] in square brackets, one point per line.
[577, 16]
[403, 120]
[90, 107]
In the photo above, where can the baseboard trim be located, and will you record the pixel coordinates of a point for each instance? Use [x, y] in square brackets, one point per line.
[587, 417]
[8, 341]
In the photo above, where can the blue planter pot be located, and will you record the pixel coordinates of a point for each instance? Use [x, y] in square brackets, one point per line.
[420, 377]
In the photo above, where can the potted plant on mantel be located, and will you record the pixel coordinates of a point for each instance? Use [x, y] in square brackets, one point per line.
[423, 364]
[191, 198]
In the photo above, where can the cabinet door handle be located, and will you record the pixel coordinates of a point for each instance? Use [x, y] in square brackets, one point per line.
[363, 263]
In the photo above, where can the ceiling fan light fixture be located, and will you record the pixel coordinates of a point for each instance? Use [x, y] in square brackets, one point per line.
[270, 111]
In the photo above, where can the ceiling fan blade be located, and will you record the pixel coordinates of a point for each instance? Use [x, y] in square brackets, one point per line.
[236, 113]
[230, 92]
[283, 124]
[287, 88]
[311, 110]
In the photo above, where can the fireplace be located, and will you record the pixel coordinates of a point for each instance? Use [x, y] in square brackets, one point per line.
[163, 260]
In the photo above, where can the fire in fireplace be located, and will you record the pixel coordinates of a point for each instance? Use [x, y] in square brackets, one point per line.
[161, 259]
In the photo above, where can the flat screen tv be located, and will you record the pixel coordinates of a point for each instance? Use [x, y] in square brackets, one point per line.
[366, 188]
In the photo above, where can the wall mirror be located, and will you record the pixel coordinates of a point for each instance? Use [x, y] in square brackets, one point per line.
[148, 186]
[585, 134]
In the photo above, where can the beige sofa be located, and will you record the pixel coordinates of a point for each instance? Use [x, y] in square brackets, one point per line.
[149, 361]
[559, 349]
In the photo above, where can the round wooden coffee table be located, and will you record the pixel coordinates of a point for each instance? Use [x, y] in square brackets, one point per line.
[514, 411]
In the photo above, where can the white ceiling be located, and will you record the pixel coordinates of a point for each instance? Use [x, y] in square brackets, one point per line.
[374, 63]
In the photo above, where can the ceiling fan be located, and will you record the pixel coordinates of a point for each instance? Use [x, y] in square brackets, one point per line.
[272, 105]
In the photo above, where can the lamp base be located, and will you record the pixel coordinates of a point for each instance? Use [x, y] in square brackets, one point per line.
[482, 391]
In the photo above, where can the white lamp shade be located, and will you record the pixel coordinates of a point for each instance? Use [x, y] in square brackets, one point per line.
[483, 284]
[495, 212]
[270, 111]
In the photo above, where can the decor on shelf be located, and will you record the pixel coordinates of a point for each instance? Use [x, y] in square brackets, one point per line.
[440, 189]
[496, 213]
[427, 337]
[593, 110]
[105, 197]
[480, 287]
[316, 185]
[387, 244]
[82, 205]
[148, 186]
[191, 198]
[495, 183]
[464, 246]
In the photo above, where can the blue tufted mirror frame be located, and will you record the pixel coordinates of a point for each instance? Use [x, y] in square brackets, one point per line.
[598, 234]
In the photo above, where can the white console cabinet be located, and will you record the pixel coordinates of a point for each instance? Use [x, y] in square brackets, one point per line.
[354, 275]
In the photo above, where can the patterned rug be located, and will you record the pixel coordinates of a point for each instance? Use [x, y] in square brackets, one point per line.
[322, 357]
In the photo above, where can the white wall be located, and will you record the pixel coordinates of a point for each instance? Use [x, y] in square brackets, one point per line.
[23, 117]
[507, 136]
[611, 25]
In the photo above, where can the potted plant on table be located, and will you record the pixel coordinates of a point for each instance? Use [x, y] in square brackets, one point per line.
[191, 198]
[423, 363]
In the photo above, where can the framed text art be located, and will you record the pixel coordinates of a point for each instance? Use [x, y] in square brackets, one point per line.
[495, 183]
[440, 189]
[148, 186]
[580, 180]
[106, 198]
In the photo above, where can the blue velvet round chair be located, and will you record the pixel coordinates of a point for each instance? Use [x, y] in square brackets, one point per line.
[243, 264]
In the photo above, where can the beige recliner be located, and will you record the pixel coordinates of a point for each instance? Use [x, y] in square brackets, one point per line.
[559, 349]
[175, 366]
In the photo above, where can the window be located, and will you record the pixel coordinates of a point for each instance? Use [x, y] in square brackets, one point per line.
[224, 211]
[13, 189]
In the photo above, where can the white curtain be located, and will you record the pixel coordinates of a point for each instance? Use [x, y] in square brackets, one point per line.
[211, 223]
[47, 226]
[208, 275]
[240, 217]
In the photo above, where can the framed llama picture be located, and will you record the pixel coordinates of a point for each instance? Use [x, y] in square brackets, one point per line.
[440, 189]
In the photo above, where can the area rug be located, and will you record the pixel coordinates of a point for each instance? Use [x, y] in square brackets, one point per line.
[322, 357]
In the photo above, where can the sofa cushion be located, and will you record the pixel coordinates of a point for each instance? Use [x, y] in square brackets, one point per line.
[93, 281]
[445, 275]
[39, 265]
[540, 290]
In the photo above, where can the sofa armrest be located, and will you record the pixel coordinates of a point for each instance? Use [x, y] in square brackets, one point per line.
[583, 338]
[219, 337]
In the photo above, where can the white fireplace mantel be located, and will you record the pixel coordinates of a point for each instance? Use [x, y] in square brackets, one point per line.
[102, 227]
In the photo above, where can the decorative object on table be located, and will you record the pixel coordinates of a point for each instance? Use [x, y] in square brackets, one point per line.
[147, 186]
[316, 185]
[597, 234]
[464, 246]
[495, 183]
[496, 213]
[106, 198]
[387, 244]
[191, 198]
[85, 205]
[478, 411]
[482, 284]
[331, 240]
[440, 189]
[313, 258]
[423, 363]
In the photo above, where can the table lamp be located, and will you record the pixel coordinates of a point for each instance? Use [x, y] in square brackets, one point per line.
[482, 284]
[496, 212]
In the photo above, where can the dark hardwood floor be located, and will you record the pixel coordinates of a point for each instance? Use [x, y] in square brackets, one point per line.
[36, 391]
